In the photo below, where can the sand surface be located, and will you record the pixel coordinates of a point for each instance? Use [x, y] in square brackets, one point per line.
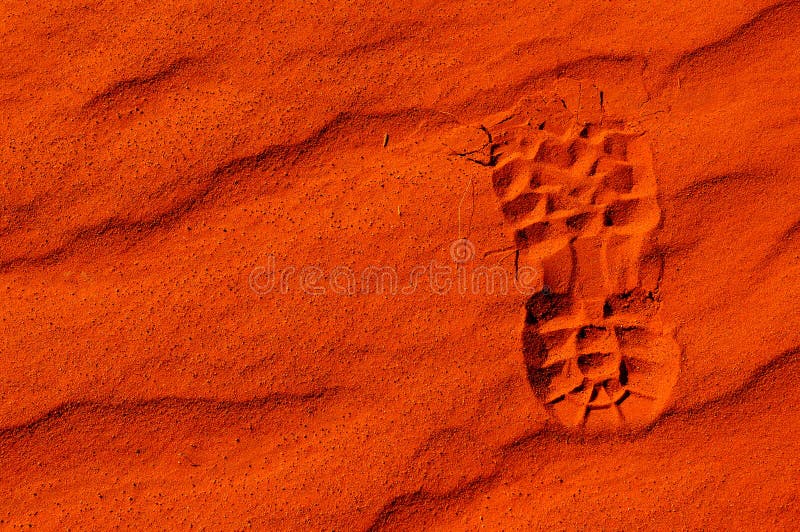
[432, 265]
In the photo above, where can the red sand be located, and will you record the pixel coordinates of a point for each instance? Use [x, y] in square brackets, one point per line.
[160, 160]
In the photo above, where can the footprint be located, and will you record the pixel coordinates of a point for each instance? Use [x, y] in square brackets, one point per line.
[581, 199]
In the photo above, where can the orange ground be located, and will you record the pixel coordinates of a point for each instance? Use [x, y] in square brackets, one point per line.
[158, 158]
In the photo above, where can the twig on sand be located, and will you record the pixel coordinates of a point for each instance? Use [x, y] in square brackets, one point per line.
[467, 154]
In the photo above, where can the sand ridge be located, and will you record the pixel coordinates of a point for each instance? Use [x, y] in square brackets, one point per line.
[643, 157]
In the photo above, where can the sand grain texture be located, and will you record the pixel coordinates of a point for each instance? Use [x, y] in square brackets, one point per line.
[154, 155]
